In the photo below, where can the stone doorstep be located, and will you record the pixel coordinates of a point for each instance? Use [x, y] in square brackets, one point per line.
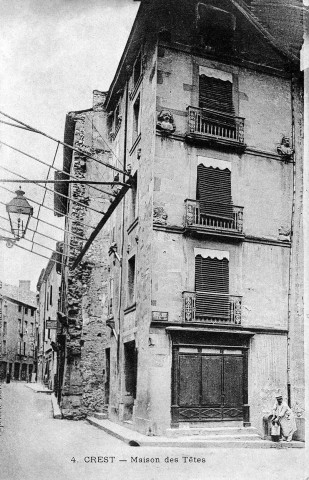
[134, 438]
[214, 431]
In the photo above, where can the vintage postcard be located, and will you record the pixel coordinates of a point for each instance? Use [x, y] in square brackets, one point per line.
[153, 205]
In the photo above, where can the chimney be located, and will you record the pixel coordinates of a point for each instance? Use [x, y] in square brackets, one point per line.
[98, 100]
[24, 285]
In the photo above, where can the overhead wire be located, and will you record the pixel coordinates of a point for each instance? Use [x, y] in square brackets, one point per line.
[50, 190]
[56, 169]
[65, 144]
[35, 243]
[40, 255]
[50, 224]
[104, 141]
[37, 231]
[45, 191]
[52, 210]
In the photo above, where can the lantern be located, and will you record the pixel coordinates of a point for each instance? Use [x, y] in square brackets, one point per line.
[19, 211]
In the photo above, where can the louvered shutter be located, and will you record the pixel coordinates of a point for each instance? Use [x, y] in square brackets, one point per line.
[216, 94]
[214, 192]
[211, 277]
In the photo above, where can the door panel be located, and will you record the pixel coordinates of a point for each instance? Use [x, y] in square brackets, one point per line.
[209, 385]
[189, 380]
[211, 380]
[233, 381]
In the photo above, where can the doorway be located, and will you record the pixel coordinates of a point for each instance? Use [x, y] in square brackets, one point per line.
[208, 384]
[130, 378]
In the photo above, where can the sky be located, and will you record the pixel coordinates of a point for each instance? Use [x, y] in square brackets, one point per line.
[53, 54]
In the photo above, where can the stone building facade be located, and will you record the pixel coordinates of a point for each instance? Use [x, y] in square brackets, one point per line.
[190, 298]
[18, 307]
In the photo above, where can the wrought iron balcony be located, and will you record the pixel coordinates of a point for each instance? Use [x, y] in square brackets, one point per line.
[211, 308]
[197, 221]
[210, 126]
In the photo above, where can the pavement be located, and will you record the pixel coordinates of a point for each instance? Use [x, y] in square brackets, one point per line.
[35, 446]
[130, 436]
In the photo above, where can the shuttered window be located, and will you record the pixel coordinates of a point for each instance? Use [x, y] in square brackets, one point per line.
[214, 192]
[216, 94]
[211, 280]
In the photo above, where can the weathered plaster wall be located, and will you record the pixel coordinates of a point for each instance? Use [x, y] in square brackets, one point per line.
[267, 373]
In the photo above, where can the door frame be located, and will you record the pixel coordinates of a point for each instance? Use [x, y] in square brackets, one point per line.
[175, 408]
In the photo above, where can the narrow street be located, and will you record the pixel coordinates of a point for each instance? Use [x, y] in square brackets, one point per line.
[34, 446]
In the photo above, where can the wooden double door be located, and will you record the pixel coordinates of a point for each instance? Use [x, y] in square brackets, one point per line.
[209, 384]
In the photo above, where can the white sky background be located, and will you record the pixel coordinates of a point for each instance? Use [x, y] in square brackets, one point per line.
[53, 54]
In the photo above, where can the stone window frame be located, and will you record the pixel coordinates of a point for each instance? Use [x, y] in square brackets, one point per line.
[136, 120]
[131, 281]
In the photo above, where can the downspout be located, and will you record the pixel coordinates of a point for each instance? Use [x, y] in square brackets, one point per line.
[291, 249]
[123, 221]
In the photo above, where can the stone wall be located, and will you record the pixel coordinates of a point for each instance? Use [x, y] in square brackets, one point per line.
[86, 286]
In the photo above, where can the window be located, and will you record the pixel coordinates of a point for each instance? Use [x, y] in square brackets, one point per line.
[32, 312]
[48, 334]
[133, 203]
[26, 327]
[26, 310]
[216, 93]
[131, 280]
[47, 301]
[215, 29]
[19, 326]
[137, 69]
[19, 308]
[4, 328]
[213, 189]
[51, 295]
[32, 328]
[4, 347]
[211, 284]
[25, 348]
[136, 119]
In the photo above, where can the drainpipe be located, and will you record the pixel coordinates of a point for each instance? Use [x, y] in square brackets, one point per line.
[123, 221]
[291, 249]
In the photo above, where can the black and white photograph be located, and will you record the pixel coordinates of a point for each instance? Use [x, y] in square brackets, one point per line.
[154, 227]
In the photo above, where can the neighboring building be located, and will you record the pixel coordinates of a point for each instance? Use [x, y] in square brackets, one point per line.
[197, 273]
[17, 330]
[48, 287]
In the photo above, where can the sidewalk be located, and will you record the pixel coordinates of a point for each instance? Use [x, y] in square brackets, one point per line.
[133, 438]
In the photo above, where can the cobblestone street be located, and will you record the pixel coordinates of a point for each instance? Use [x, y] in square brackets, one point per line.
[35, 446]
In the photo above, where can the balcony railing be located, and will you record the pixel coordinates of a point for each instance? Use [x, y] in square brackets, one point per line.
[195, 219]
[211, 308]
[210, 125]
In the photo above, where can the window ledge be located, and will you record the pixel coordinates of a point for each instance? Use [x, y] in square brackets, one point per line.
[135, 143]
[133, 225]
[136, 87]
[130, 309]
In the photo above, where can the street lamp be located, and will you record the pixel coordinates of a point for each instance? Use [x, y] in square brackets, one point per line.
[19, 211]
